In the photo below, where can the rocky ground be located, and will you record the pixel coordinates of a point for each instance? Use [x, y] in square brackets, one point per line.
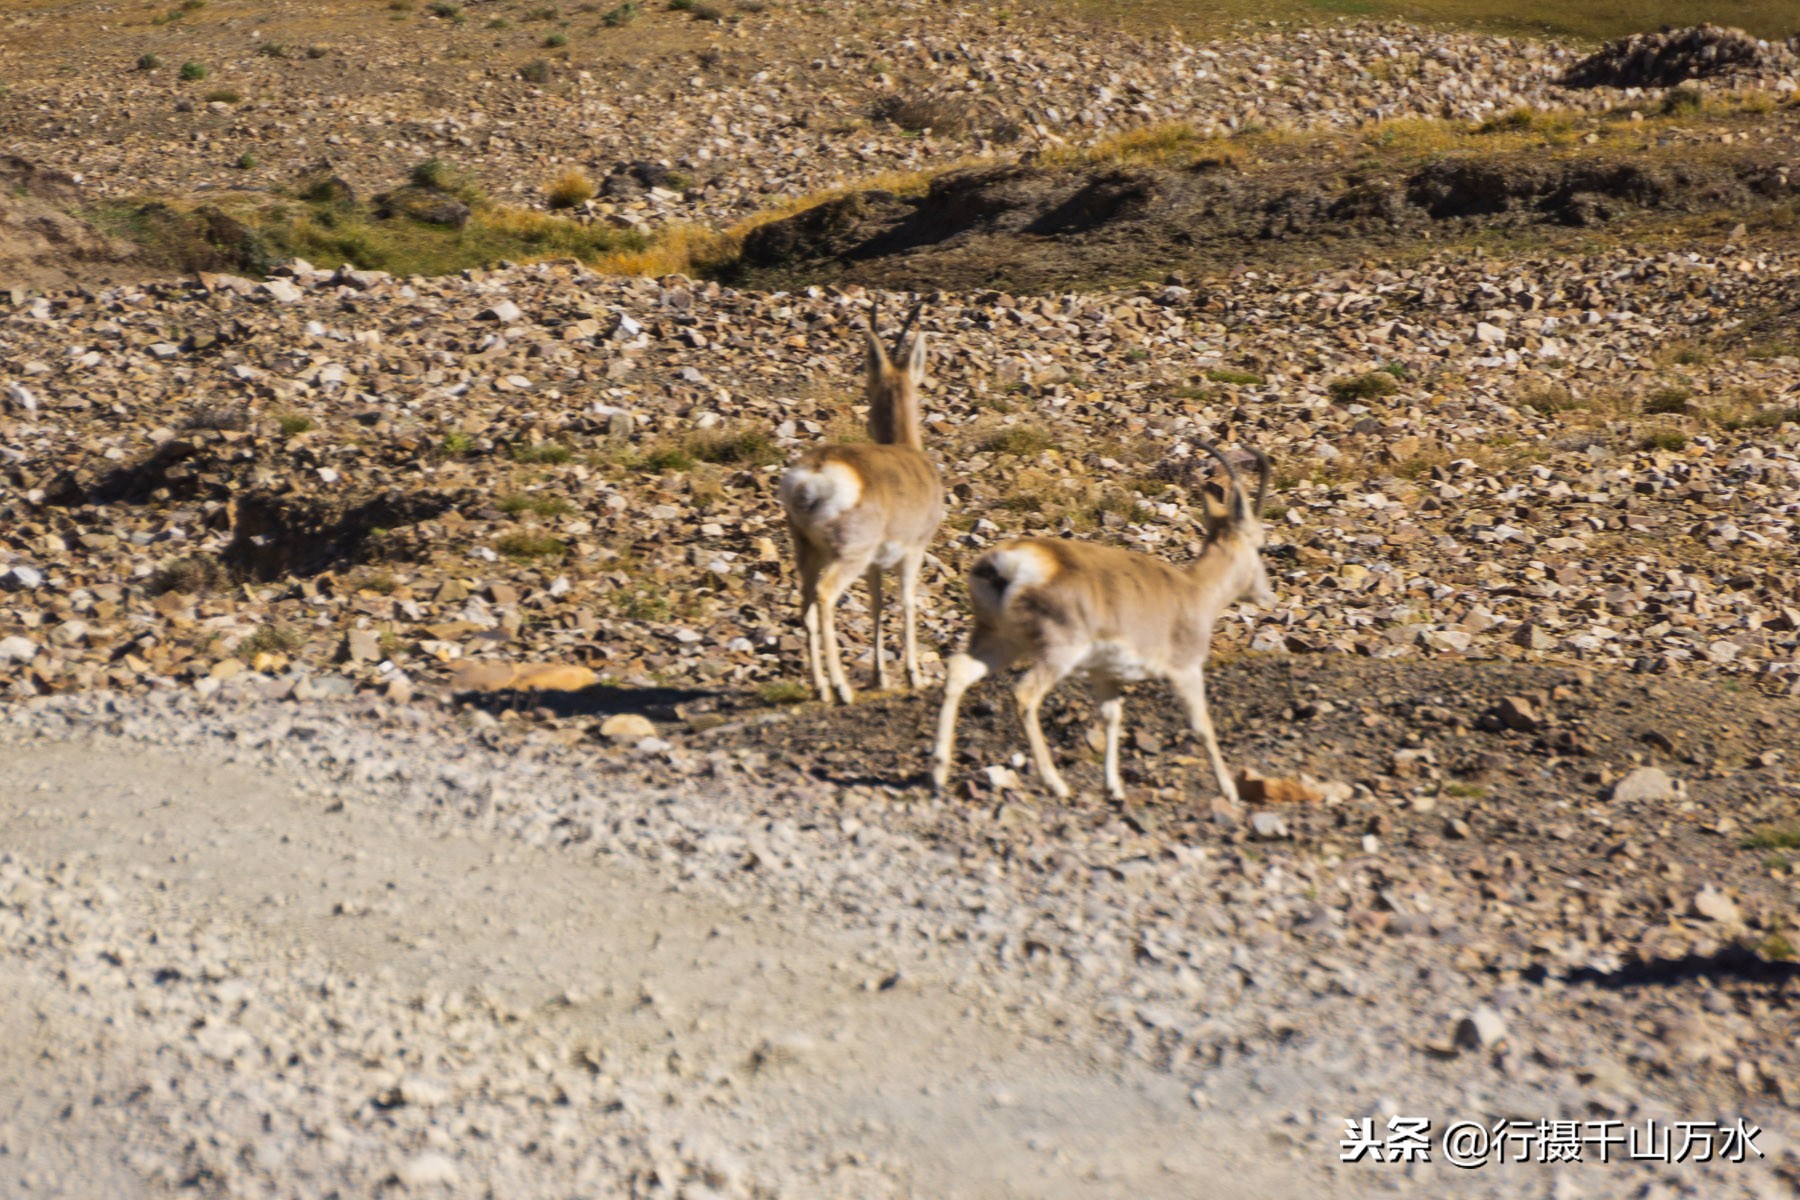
[1518, 733]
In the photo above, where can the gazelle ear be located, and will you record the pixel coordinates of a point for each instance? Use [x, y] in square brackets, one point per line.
[1214, 513]
[915, 356]
[878, 357]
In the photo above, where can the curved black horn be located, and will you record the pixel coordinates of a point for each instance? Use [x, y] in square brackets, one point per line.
[907, 328]
[1230, 470]
[874, 317]
[1263, 471]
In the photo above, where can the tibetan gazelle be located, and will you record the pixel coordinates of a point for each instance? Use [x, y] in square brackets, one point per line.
[1055, 607]
[863, 510]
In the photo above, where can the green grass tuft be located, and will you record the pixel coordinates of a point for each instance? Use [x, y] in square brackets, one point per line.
[526, 547]
[536, 503]
[552, 453]
[1774, 837]
[1368, 386]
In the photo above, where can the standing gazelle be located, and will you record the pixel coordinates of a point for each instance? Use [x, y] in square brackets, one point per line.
[861, 510]
[1056, 606]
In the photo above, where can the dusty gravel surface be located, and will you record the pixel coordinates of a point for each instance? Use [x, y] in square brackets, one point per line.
[349, 945]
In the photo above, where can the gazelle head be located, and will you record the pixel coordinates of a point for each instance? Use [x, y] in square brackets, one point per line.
[893, 385]
[1234, 528]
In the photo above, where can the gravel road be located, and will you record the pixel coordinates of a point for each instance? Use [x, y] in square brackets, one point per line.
[272, 949]
[227, 970]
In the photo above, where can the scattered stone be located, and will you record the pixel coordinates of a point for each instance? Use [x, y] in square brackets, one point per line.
[1482, 1029]
[1645, 785]
[627, 727]
[1715, 905]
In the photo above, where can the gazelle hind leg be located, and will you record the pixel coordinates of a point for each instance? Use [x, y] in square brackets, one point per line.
[877, 606]
[1112, 709]
[1191, 687]
[834, 580]
[1030, 691]
[810, 618]
[963, 672]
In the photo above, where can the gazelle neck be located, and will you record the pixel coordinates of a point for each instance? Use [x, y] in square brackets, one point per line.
[894, 412]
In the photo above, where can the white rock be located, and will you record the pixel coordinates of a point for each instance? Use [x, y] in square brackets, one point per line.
[17, 649]
[1715, 905]
[1645, 785]
[427, 1169]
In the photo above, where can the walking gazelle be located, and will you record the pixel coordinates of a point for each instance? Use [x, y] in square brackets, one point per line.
[862, 510]
[1055, 607]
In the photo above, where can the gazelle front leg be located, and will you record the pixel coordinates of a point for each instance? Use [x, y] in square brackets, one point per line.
[1033, 686]
[877, 603]
[909, 609]
[1112, 709]
[1191, 687]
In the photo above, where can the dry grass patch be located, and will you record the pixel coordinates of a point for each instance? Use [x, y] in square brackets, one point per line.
[571, 187]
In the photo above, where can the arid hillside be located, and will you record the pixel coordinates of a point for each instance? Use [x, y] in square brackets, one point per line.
[393, 401]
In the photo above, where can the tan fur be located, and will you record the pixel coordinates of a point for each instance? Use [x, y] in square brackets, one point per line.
[860, 511]
[1056, 607]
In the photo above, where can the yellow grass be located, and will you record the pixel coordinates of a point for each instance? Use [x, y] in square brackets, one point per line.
[571, 187]
[684, 249]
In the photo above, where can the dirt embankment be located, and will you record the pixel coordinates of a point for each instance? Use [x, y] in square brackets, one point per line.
[41, 244]
[1032, 227]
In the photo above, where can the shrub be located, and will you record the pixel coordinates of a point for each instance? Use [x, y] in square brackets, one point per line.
[951, 115]
[1024, 440]
[541, 452]
[269, 639]
[1549, 398]
[545, 13]
[272, 50]
[192, 71]
[1368, 386]
[1227, 375]
[193, 575]
[148, 62]
[533, 502]
[1663, 439]
[783, 691]
[661, 459]
[1667, 400]
[444, 9]
[537, 71]
[246, 161]
[291, 424]
[741, 448]
[526, 546]
[456, 443]
[624, 14]
[556, 40]
[707, 12]
[1683, 102]
[223, 96]
[571, 187]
